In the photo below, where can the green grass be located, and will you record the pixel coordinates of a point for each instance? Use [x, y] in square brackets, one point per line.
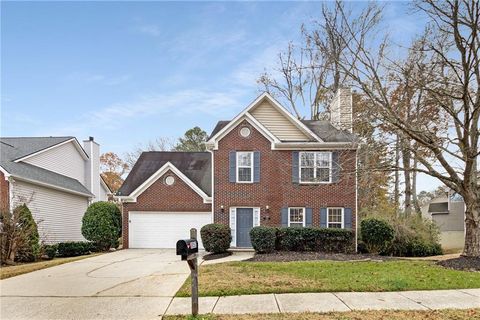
[235, 278]
[16, 270]
[351, 315]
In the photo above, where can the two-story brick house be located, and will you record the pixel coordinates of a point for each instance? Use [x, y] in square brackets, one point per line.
[264, 167]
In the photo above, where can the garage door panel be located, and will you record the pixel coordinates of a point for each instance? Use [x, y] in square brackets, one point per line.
[163, 229]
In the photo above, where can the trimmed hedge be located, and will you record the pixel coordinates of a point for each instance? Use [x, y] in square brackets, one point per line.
[216, 237]
[102, 224]
[377, 234]
[303, 239]
[50, 250]
[263, 239]
[75, 248]
[316, 239]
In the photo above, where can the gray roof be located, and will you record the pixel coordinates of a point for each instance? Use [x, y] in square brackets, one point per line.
[15, 148]
[322, 128]
[328, 133]
[439, 207]
[195, 165]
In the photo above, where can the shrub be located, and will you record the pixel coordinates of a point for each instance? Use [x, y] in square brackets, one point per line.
[315, 239]
[216, 238]
[418, 248]
[376, 234]
[28, 249]
[263, 239]
[102, 224]
[75, 248]
[414, 236]
[50, 251]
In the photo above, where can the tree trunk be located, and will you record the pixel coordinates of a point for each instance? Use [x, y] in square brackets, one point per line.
[396, 192]
[407, 174]
[472, 225]
[416, 205]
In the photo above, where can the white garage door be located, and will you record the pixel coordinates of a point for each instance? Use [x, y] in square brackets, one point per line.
[163, 229]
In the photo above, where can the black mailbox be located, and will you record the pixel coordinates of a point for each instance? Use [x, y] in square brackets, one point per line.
[186, 247]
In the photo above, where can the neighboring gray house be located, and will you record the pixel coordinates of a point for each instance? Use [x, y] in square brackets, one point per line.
[56, 177]
[448, 212]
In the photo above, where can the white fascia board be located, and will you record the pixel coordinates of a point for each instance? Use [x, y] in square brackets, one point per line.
[5, 172]
[315, 146]
[251, 120]
[51, 186]
[252, 105]
[160, 172]
[74, 140]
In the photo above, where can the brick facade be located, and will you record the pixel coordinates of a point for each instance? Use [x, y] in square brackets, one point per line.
[276, 188]
[4, 193]
[161, 197]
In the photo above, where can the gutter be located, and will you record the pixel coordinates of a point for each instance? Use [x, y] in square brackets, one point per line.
[51, 186]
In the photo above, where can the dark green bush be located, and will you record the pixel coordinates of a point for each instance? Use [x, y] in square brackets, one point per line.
[75, 248]
[315, 239]
[263, 239]
[29, 246]
[216, 238]
[376, 234]
[102, 224]
[50, 251]
[419, 248]
[414, 237]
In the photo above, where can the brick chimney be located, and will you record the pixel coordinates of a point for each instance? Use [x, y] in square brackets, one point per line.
[92, 168]
[341, 109]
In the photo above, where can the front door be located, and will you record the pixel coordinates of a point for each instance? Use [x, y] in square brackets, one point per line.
[244, 225]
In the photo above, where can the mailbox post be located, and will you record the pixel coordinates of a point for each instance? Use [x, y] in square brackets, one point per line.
[188, 249]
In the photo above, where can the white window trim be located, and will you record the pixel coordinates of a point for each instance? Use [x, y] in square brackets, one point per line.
[343, 216]
[315, 167]
[238, 167]
[304, 215]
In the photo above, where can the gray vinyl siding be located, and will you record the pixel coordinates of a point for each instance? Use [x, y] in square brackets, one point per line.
[58, 214]
[64, 159]
[277, 123]
[452, 221]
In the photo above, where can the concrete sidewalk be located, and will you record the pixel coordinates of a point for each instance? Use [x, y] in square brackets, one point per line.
[327, 302]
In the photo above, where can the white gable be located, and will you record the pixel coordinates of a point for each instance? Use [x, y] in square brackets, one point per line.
[273, 120]
[277, 123]
[64, 159]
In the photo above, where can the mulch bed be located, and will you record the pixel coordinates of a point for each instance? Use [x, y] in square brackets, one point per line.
[461, 263]
[213, 256]
[286, 256]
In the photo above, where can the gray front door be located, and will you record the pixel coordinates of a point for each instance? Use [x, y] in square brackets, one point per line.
[244, 225]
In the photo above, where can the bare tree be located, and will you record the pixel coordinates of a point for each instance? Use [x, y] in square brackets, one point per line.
[159, 144]
[451, 84]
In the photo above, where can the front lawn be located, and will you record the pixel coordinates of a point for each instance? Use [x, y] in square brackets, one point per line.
[352, 315]
[236, 278]
[12, 271]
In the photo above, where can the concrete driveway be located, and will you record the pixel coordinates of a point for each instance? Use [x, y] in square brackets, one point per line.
[127, 284]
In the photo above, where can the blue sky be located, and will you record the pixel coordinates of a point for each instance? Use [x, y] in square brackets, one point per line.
[128, 72]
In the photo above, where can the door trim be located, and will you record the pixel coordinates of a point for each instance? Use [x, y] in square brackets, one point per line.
[233, 221]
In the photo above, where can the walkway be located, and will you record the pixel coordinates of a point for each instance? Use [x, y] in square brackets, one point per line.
[327, 302]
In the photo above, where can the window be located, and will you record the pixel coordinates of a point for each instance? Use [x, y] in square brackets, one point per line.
[244, 166]
[315, 167]
[296, 217]
[335, 218]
